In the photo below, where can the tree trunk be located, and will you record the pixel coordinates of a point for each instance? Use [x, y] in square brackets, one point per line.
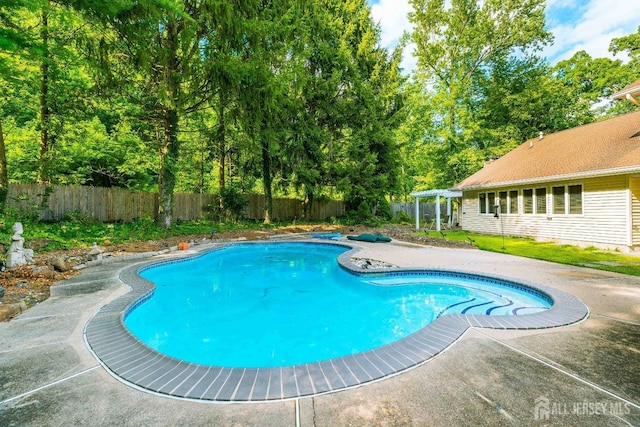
[4, 181]
[171, 145]
[266, 176]
[308, 205]
[168, 161]
[45, 149]
[222, 145]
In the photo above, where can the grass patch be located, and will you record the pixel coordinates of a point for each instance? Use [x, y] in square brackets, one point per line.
[564, 254]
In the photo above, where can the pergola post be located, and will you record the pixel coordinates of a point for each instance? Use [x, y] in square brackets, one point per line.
[437, 212]
[417, 213]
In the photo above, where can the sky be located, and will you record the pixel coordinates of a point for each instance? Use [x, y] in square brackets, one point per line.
[587, 25]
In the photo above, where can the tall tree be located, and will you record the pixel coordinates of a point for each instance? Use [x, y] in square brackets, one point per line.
[268, 31]
[455, 42]
[319, 76]
[45, 111]
[14, 42]
[163, 42]
[45, 33]
[592, 81]
[368, 170]
[629, 45]
[226, 64]
[521, 97]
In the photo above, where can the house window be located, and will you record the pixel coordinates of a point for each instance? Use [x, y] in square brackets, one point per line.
[513, 202]
[567, 199]
[558, 200]
[541, 201]
[575, 199]
[527, 200]
[482, 203]
[491, 199]
[502, 201]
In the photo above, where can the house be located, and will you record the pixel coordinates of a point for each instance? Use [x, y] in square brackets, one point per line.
[579, 186]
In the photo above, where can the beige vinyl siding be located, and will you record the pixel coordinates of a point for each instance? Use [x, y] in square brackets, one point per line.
[604, 218]
[634, 186]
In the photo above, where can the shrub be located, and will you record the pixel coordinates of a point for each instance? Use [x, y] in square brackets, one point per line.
[401, 218]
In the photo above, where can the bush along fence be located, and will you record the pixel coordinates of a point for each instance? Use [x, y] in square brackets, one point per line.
[53, 203]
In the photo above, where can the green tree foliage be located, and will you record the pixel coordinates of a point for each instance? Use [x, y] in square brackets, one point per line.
[629, 45]
[457, 43]
[262, 95]
[521, 98]
[345, 98]
[318, 70]
[46, 42]
[288, 98]
[370, 167]
[161, 42]
[591, 81]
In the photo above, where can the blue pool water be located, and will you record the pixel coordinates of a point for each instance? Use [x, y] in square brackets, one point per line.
[281, 304]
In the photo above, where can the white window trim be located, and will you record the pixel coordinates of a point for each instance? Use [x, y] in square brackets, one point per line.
[489, 208]
[535, 201]
[508, 202]
[567, 200]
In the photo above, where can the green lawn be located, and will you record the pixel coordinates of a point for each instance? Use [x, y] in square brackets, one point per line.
[565, 254]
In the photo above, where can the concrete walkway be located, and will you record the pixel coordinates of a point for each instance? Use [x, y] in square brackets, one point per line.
[584, 374]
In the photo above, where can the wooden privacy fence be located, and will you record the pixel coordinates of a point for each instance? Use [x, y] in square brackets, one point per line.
[53, 203]
[289, 209]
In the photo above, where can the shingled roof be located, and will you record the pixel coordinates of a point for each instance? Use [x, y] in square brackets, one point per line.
[608, 147]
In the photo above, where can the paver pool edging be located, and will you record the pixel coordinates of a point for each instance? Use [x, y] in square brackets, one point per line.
[136, 364]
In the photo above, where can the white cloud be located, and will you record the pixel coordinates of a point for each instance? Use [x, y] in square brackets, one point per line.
[591, 27]
[392, 15]
[393, 20]
[409, 60]
[576, 24]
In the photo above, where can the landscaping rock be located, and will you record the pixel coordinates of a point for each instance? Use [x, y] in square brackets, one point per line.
[7, 311]
[40, 269]
[366, 263]
[59, 264]
[23, 285]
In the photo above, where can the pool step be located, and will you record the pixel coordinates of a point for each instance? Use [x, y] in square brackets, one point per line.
[472, 306]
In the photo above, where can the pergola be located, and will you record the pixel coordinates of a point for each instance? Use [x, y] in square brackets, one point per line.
[449, 194]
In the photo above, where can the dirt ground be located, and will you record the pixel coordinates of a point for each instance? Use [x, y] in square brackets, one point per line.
[29, 285]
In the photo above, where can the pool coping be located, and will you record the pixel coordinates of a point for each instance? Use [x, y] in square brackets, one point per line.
[135, 364]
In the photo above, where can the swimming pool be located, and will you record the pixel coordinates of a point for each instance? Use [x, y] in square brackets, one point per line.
[283, 304]
[136, 364]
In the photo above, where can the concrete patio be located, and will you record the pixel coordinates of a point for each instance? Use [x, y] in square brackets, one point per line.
[584, 374]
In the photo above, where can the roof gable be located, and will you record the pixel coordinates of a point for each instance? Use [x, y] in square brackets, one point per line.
[600, 148]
